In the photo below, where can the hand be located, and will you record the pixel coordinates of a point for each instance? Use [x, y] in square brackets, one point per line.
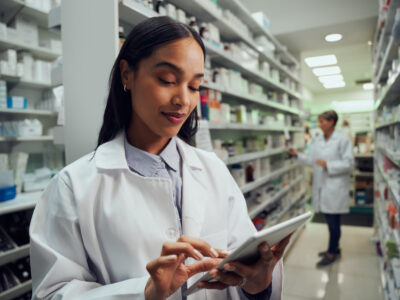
[292, 151]
[254, 278]
[322, 163]
[168, 273]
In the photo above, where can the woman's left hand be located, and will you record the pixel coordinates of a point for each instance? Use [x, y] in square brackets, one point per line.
[322, 163]
[251, 278]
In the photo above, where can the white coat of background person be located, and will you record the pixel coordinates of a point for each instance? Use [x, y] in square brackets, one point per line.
[103, 231]
[331, 156]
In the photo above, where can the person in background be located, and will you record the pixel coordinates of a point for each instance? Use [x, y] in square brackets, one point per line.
[145, 214]
[331, 156]
[346, 130]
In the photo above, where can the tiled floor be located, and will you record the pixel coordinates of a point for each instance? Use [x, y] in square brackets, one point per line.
[354, 276]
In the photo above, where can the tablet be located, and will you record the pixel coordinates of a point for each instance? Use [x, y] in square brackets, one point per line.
[247, 253]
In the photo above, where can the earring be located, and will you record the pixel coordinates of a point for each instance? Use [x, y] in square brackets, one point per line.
[125, 88]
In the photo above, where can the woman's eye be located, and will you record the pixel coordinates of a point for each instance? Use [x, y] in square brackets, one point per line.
[166, 81]
[194, 89]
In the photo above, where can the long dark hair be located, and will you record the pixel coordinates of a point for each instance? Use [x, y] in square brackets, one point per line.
[141, 42]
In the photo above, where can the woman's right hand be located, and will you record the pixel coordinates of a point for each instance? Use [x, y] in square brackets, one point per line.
[168, 273]
[292, 152]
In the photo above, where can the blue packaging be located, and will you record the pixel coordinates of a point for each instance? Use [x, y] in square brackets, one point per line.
[15, 102]
[8, 193]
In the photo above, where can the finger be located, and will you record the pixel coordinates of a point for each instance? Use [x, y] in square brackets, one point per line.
[228, 278]
[203, 266]
[222, 253]
[200, 245]
[212, 285]
[161, 261]
[240, 269]
[265, 252]
[181, 247]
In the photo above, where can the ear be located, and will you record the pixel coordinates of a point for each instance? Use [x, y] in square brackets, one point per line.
[126, 74]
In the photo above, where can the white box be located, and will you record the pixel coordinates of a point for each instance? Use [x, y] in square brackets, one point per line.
[13, 34]
[52, 44]
[262, 20]
[27, 60]
[3, 31]
[180, 16]
[27, 29]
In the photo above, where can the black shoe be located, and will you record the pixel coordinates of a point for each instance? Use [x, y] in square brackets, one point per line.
[338, 253]
[326, 261]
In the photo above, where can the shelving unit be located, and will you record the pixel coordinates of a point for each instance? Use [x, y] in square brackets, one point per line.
[44, 138]
[387, 88]
[232, 126]
[35, 112]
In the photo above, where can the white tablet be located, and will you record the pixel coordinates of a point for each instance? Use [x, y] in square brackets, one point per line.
[247, 253]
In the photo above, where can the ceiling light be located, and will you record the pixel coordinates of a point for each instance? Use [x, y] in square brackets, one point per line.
[369, 43]
[368, 86]
[326, 71]
[334, 37]
[334, 85]
[318, 61]
[331, 78]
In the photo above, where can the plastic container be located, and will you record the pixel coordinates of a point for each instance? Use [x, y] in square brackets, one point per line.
[8, 193]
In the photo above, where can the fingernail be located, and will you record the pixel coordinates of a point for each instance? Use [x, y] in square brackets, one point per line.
[214, 252]
[224, 252]
[229, 267]
[265, 248]
[172, 257]
[198, 254]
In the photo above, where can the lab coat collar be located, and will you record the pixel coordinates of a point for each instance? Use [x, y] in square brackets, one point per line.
[111, 155]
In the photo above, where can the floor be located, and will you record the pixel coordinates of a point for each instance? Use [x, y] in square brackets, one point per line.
[354, 276]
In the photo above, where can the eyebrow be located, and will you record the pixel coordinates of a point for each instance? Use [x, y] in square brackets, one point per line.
[175, 68]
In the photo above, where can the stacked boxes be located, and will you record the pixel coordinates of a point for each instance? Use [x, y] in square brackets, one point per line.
[3, 94]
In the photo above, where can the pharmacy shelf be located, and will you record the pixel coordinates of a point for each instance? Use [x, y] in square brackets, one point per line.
[54, 22]
[289, 207]
[391, 93]
[56, 76]
[259, 182]
[14, 254]
[293, 239]
[16, 291]
[238, 126]
[133, 12]
[252, 98]
[219, 56]
[390, 185]
[383, 67]
[384, 37]
[21, 202]
[395, 158]
[254, 155]
[245, 16]
[38, 52]
[35, 112]
[386, 124]
[259, 208]
[363, 156]
[42, 138]
[40, 16]
[363, 174]
[25, 83]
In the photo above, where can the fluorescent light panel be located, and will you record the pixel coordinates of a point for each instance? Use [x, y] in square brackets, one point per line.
[327, 71]
[330, 78]
[334, 37]
[318, 61]
[334, 85]
[368, 86]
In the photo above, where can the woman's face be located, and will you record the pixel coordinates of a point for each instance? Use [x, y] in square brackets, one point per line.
[165, 88]
[325, 125]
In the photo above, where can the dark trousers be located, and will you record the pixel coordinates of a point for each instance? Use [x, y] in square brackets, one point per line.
[333, 221]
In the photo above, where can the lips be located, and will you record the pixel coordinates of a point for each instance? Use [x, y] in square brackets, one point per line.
[175, 118]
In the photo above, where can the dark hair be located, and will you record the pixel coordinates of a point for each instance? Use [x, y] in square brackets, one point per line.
[142, 41]
[329, 115]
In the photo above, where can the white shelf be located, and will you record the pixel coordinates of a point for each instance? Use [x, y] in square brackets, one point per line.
[377, 77]
[238, 126]
[390, 186]
[287, 209]
[14, 254]
[224, 59]
[395, 158]
[363, 156]
[21, 202]
[133, 12]
[386, 124]
[38, 52]
[16, 291]
[35, 112]
[25, 83]
[259, 208]
[41, 17]
[259, 182]
[391, 93]
[56, 76]
[254, 155]
[363, 174]
[27, 138]
[253, 98]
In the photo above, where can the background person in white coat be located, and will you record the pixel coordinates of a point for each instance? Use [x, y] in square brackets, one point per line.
[136, 218]
[331, 156]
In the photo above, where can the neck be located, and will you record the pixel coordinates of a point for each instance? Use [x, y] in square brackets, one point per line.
[146, 140]
[328, 133]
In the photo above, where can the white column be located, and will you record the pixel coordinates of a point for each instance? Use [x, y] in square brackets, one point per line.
[90, 46]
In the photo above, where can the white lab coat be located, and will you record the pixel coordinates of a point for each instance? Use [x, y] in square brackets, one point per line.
[330, 190]
[98, 224]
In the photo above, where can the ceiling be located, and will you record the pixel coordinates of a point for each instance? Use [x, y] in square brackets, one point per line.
[301, 25]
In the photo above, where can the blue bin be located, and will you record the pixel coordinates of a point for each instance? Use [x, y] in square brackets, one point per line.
[8, 193]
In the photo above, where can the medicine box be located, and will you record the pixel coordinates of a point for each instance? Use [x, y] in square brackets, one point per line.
[27, 30]
[16, 102]
[262, 20]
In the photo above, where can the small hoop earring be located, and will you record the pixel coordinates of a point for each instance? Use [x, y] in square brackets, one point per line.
[125, 88]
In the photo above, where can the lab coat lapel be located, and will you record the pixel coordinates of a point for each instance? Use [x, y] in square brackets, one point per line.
[193, 191]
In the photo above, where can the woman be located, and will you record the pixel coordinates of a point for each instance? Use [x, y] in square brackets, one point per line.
[331, 156]
[146, 213]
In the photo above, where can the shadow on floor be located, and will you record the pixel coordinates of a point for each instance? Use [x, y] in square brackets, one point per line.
[353, 219]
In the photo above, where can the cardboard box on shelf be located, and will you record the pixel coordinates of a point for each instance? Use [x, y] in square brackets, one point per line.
[27, 29]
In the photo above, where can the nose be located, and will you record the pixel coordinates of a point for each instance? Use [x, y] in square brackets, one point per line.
[181, 97]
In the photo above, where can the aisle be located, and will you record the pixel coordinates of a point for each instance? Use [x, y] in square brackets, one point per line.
[354, 276]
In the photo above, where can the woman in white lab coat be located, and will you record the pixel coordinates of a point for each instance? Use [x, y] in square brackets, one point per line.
[331, 156]
[146, 213]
